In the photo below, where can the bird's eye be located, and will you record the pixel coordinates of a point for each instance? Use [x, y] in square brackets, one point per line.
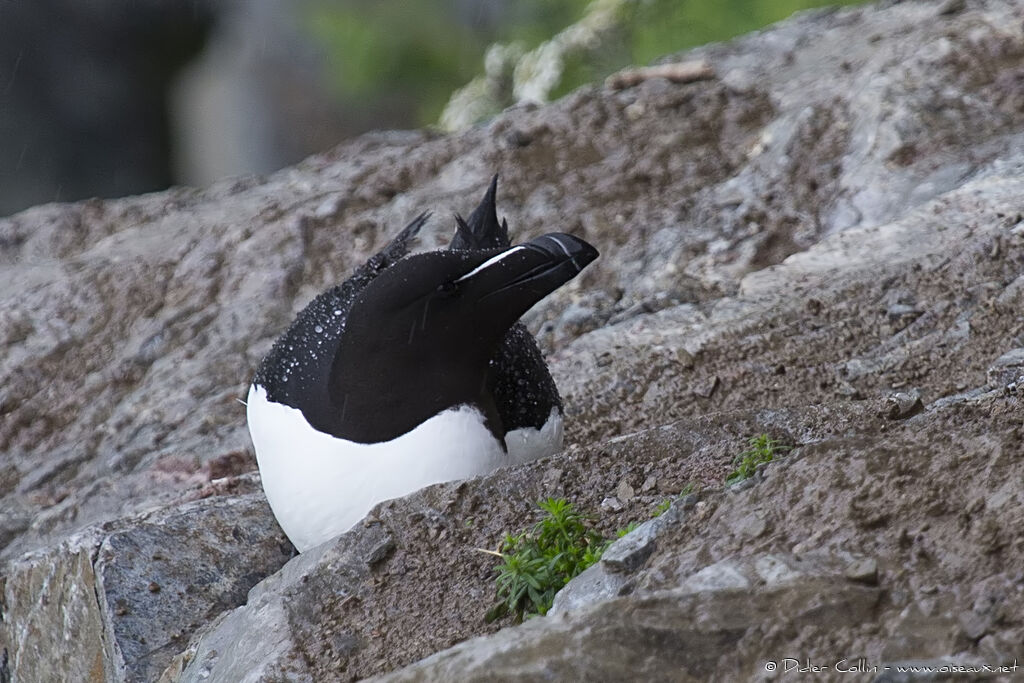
[448, 287]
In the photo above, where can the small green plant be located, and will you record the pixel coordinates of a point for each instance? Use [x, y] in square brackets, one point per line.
[662, 507]
[538, 563]
[628, 528]
[762, 449]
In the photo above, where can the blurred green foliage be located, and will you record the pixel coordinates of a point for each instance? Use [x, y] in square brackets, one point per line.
[389, 46]
[663, 26]
[660, 27]
[426, 49]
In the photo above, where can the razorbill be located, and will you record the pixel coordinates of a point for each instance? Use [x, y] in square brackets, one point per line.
[407, 374]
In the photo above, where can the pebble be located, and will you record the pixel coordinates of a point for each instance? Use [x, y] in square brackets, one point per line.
[974, 625]
[902, 405]
[864, 570]
[707, 388]
[611, 503]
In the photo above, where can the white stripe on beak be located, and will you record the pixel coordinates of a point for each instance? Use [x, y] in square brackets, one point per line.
[491, 261]
[554, 238]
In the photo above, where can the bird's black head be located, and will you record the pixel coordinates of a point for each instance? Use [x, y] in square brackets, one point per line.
[419, 337]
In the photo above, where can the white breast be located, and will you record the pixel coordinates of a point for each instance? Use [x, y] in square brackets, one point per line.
[529, 444]
[319, 486]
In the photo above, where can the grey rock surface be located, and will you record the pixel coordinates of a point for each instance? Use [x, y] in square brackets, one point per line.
[702, 630]
[118, 601]
[286, 613]
[784, 247]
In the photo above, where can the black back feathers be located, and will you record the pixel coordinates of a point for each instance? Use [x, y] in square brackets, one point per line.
[288, 373]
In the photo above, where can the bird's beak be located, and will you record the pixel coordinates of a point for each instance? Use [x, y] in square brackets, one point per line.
[512, 281]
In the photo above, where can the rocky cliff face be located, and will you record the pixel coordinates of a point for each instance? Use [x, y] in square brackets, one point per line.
[824, 242]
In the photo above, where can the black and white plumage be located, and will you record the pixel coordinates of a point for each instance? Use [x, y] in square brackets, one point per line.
[413, 371]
